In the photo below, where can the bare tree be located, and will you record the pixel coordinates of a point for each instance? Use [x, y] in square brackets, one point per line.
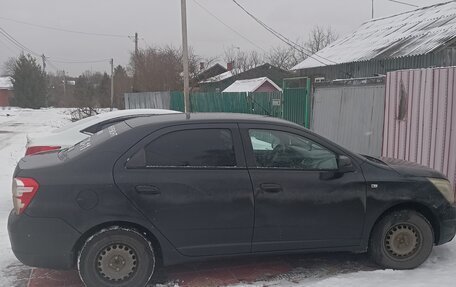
[160, 68]
[242, 61]
[320, 37]
[8, 67]
[283, 57]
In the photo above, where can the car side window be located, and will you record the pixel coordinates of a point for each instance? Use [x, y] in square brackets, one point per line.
[278, 149]
[192, 148]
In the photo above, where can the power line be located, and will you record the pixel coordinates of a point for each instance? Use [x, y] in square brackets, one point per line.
[49, 60]
[8, 47]
[285, 39]
[16, 43]
[228, 26]
[79, 61]
[50, 64]
[65, 30]
[404, 3]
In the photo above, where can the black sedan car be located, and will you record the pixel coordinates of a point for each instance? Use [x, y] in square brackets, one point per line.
[196, 186]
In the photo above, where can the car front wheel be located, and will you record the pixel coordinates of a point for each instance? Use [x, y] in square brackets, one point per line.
[116, 257]
[401, 240]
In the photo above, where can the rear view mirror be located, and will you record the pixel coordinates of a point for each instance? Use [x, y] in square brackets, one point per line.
[345, 164]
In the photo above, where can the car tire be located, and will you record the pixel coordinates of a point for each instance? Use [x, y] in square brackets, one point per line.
[116, 257]
[401, 240]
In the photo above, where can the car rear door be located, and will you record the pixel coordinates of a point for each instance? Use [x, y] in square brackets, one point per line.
[301, 199]
[191, 181]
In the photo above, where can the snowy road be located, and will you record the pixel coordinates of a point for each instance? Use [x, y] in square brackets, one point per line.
[14, 125]
[313, 270]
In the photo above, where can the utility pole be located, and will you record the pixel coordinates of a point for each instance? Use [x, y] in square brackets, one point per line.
[43, 58]
[64, 85]
[112, 83]
[135, 76]
[372, 9]
[185, 56]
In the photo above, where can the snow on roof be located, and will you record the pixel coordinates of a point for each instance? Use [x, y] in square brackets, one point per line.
[412, 33]
[219, 78]
[6, 83]
[251, 85]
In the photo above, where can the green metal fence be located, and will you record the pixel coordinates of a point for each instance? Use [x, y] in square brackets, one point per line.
[292, 104]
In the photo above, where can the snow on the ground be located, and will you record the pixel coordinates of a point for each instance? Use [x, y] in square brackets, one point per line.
[15, 124]
[439, 270]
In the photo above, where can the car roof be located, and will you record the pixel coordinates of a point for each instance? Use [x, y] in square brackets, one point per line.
[207, 118]
[92, 120]
[120, 113]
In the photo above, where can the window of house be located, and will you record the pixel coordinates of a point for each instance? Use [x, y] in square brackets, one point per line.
[277, 149]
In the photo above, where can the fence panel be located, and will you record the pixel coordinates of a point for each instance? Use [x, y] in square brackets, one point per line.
[291, 105]
[351, 115]
[147, 100]
[296, 106]
[420, 118]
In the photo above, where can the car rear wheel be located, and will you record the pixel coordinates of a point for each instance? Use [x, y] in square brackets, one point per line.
[116, 257]
[401, 240]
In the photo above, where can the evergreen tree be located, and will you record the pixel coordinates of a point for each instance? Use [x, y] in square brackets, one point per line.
[104, 92]
[29, 82]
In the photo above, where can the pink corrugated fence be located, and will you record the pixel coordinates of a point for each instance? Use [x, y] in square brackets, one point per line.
[420, 118]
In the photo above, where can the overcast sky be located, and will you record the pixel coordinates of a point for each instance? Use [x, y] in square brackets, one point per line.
[158, 23]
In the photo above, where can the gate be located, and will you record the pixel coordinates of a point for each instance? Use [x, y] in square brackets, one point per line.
[351, 114]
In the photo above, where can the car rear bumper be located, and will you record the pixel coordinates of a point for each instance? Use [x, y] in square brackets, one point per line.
[42, 242]
[447, 225]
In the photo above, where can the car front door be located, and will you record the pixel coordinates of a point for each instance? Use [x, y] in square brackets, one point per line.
[302, 199]
[192, 183]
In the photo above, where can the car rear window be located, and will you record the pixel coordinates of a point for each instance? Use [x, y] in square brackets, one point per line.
[94, 140]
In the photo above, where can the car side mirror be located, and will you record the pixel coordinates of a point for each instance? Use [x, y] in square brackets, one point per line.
[345, 164]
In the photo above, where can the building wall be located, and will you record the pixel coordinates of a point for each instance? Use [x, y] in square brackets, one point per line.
[351, 114]
[267, 88]
[420, 118]
[5, 96]
[444, 58]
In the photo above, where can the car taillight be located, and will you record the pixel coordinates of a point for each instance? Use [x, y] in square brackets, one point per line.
[37, 149]
[24, 189]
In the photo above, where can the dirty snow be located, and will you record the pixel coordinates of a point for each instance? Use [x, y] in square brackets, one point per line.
[322, 271]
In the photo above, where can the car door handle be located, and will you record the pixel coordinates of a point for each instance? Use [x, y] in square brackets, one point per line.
[147, 189]
[271, 187]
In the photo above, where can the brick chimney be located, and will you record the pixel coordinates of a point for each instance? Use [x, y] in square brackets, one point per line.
[202, 66]
[230, 66]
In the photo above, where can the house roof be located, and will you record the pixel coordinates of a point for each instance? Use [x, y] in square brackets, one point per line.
[250, 85]
[6, 83]
[412, 33]
[218, 78]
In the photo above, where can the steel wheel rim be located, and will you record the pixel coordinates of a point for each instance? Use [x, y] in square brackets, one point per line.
[403, 241]
[117, 262]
